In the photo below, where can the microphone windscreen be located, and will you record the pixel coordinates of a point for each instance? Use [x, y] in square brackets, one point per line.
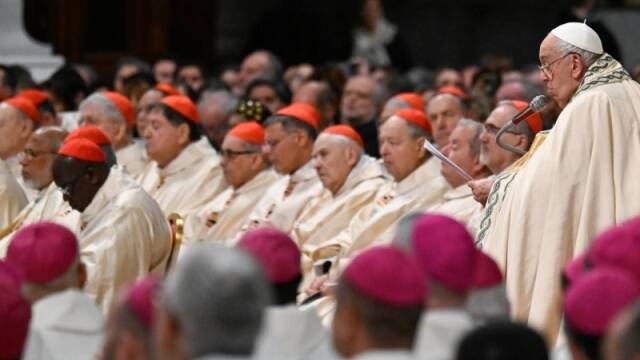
[538, 102]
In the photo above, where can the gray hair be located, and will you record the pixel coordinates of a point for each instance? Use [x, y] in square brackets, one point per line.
[343, 140]
[522, 127]
[474, 142]
[108, 107]
[223, 98]
[404, 231]
[587, 57]
[486, 305]
[55, 140]
[65, 281]
[218, 295]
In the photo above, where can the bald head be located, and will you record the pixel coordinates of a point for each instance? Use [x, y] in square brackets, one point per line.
[52, 136]
[259, 64]
[16, 127]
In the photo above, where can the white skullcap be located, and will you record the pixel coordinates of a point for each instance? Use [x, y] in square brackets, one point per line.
[579, 35]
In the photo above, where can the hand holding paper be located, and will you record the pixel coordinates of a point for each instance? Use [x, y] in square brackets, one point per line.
[433, 150]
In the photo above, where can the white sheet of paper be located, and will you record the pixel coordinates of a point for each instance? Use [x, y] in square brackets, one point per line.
[434, 150]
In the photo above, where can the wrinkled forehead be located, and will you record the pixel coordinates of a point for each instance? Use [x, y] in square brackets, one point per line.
[548, 48]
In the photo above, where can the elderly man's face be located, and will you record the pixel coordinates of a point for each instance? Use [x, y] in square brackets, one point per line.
[459, 151]
[94, 115]
[163, 140]
[268, 97]
[358, 103]
[239, 163]
[282, 148]
[492, 155]
[254, 66]
[14, 129]
[149, 97]
[445, 112]
[333, 161]
[561, 71]
[37, 162]
[401, 153]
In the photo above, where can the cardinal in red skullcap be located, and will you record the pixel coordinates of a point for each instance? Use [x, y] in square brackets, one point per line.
[123, 233]
[248, 174]
[185, 173]
[289, 137]
[114, 114]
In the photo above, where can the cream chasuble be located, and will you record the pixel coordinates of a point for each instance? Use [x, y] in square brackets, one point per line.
[582, 179]
[187, 184]
[284, 201]
[124, 237]
[221, 220]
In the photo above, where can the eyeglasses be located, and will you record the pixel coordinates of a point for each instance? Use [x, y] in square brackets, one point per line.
[546, 68]
[232, 154]
[493, 130]
[30, 154]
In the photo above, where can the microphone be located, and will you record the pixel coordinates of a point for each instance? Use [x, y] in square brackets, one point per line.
[535, 105]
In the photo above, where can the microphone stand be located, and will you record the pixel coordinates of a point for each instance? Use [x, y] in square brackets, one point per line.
[507, 146]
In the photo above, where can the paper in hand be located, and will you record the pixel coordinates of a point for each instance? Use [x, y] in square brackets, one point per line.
[433, 150]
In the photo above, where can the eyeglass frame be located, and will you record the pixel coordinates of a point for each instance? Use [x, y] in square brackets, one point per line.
[546, 68]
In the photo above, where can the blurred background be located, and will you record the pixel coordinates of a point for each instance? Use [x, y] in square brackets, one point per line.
[217, 34]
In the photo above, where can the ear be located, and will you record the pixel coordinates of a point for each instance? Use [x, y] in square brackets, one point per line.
[351, 156]
[82, 275]
[26, 128]
[522, 142]
[183, 134]
[477, 168]
[121, 131]
[422, 152]
[578, 68]
[301, 138]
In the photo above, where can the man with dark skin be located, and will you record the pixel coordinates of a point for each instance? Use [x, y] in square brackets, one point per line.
[123, 233]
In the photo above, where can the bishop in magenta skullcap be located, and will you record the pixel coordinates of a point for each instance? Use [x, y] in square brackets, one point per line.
[618, 247]
[275, 251]
[139, 299]
[594, 300]
[43, 251]
[445, 251]
[388, 275]
[15, 313]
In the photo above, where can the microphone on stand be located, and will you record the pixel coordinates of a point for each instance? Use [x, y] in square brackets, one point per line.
[537, 104]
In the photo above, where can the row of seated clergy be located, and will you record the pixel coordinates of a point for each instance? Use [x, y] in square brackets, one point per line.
[286, 142]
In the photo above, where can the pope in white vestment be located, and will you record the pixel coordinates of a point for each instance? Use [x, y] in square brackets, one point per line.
[580, 181]
[65, 325]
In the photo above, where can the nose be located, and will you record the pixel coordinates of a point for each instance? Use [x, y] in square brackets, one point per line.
[266, 149]
[484, 137]
[384, 150]
[446, 150]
